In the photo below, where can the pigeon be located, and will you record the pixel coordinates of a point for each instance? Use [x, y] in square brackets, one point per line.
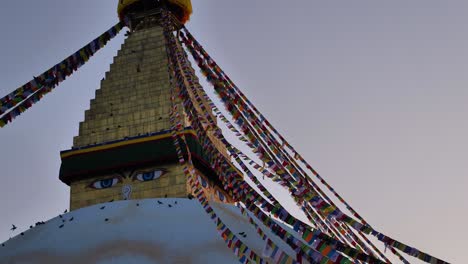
[175, 202]
[111, 201]
[61, 226]
[241, 233]
[71, 219]
[138, 204]
[66, 211]
[165, 196]
[30, 227]
[63, 220]
[13, 228]
[60, 216]
[102, 208]
[107, 219]
[190, 196]
[3, 245]
[22, 233]
[159, 202]
[169, 205]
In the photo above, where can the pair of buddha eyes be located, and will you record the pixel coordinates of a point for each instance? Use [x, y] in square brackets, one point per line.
[141, 177]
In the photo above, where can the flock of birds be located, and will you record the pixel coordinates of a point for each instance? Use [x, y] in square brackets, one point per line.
[14, 227]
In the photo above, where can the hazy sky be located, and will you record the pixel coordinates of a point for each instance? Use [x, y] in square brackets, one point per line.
[373, 93]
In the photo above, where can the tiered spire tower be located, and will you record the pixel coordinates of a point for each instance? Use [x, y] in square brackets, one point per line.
[124, 149]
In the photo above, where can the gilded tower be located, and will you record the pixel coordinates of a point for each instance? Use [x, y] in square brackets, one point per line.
[124, 148]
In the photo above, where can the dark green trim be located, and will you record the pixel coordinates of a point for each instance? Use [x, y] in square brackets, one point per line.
[154, 152]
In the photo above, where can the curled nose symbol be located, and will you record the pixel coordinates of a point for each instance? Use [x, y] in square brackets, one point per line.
[126, 192]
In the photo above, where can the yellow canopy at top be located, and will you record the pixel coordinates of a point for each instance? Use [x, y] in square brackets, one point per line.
[184, 5]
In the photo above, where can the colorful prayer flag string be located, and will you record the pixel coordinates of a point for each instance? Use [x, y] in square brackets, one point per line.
[247, 194]
[18, 101]
[316, 200]
[240, 249]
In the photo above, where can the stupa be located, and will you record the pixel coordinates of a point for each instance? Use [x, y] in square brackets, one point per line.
[154, 180]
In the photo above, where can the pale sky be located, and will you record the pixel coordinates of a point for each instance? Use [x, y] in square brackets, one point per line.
[372, 93]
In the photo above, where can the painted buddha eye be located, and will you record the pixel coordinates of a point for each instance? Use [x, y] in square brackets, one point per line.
[149, 176]
[104, 184]
[221, 196]
[202, 181]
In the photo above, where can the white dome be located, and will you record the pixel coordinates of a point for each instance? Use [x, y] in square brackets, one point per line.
[136, 232]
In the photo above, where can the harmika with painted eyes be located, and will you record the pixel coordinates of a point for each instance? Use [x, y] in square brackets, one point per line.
[110, 182]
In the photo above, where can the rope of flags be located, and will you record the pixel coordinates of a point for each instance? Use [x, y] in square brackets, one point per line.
[285, 211]
[250, 195]
[255, 146]
[265, 122]
[287, 239]
[225, 142]
[234, 243]
[18, 101]
[217, 69]
[315, 200]
[321, 249]
[198, 93]
[304, 254]
[271, 250]
[244, 168]
[242, 251]
[282, 257]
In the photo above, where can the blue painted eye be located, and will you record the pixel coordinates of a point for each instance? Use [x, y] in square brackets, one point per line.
[149, 176]
[221, 196]
[203, 182]
[104, 184]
